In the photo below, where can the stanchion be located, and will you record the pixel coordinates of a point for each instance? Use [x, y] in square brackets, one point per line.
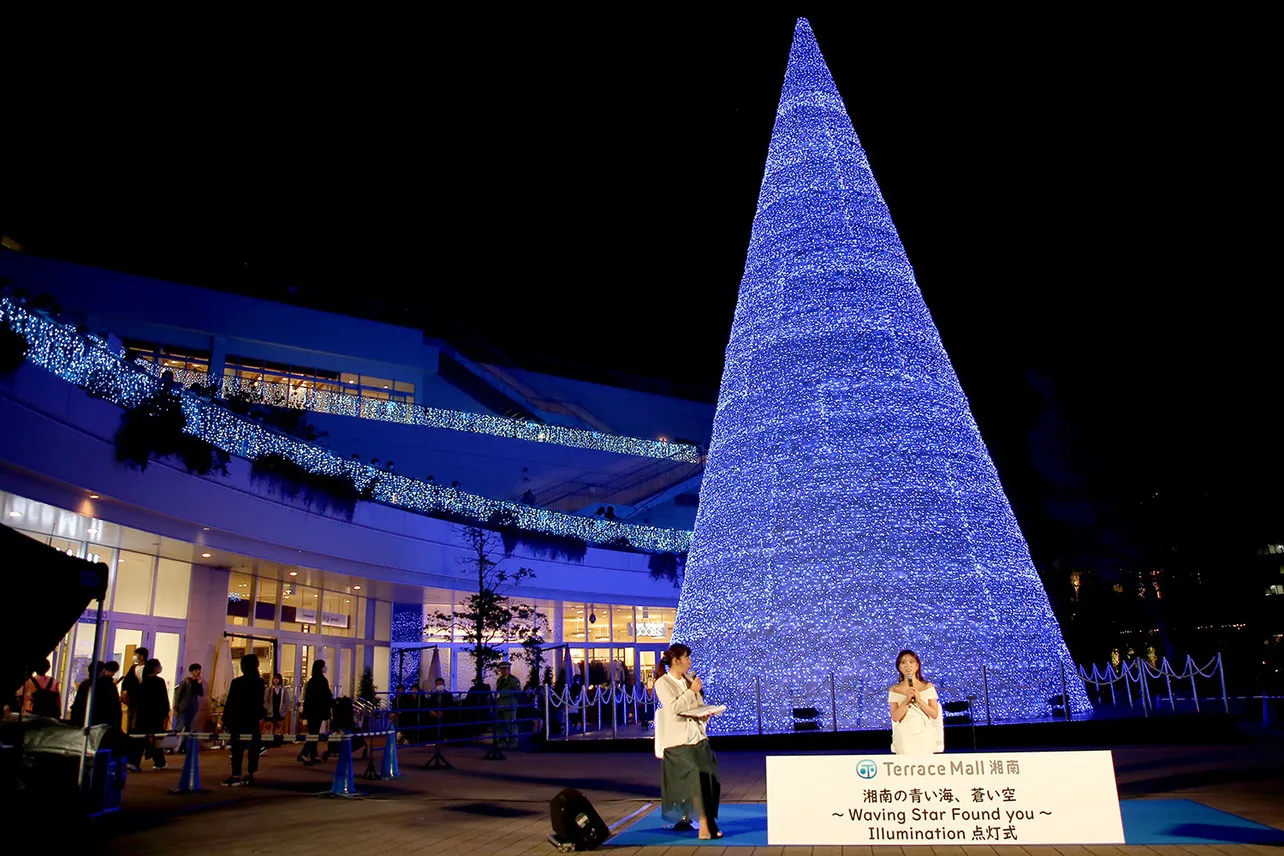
[438, 761]
[1194, 691]
[190, 780]
[345, 784]
[757, 680]
[494, 753]
[1065, 695]
[391, 769]
[985, 688]
[1222, 669]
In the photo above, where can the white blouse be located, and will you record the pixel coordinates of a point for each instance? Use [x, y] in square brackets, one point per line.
[671, 729]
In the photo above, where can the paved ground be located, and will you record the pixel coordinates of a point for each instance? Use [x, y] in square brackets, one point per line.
[501, 807]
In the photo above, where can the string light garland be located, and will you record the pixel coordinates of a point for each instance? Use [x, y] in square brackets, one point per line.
[86, 361]
[849, 506]
[346, 404]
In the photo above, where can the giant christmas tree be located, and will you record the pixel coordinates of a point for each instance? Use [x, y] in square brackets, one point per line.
[849, 506]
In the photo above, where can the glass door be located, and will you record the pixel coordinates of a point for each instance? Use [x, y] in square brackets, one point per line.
[77, 652]
[648, 660]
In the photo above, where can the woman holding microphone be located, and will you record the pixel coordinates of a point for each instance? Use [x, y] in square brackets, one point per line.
[689, 771]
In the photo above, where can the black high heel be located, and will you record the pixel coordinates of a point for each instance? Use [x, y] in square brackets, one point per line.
[714, 831]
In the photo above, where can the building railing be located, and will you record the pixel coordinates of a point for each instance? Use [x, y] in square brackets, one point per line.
[86, 361]
[341, 403]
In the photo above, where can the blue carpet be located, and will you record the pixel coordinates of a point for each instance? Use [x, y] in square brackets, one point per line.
[1144, 822]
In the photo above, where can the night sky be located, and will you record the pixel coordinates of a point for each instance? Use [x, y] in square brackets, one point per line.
[1083, 200]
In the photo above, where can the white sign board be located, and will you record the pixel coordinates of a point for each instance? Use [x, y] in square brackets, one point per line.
[308, 615]
[986, 799]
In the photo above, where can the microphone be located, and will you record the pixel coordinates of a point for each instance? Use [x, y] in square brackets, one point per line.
[910, 678]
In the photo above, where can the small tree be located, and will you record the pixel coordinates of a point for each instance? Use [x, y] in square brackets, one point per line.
[488, 615]
[366, 689]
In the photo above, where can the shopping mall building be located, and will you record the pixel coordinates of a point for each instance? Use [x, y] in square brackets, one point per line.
[434, 439]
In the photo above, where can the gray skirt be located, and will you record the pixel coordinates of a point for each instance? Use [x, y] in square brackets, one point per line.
[689, 782]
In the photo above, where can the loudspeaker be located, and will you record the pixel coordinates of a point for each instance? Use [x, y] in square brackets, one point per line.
[805, 719]
[576, 822]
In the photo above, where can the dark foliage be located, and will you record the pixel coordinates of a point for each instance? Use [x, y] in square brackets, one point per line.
[13, 349]
[667, 566]
[321, 491]
[154, 429]
[540, 544]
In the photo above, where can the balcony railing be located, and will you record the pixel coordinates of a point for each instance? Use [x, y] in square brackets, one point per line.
[346, 404]
[86, 361]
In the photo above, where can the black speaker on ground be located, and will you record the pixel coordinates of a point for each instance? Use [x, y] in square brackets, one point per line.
[806, 719]
[576, 822]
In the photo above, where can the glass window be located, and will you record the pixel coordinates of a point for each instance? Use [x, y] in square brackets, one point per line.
[265, 603]
[383, 621]
[382, 663]
[299, 609]
[437, 630]
[338, 614]
[402, 386]
[622, 623]
[599, 623]
[165, 648]
[173, 582]
[573, 622]
[350, 380]
[106, 555]
[655, 623]
[239, 596]
[71, 548]
[133, 592]
[378, 383]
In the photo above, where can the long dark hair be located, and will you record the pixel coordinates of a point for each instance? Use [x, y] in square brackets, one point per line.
[319, 665]
[666, 660]
[918, 672]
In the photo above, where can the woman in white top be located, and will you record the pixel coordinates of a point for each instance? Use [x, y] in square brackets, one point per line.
[916, 714]
[689, 771]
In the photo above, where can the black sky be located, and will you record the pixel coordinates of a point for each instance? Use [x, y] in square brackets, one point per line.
[1086, 198]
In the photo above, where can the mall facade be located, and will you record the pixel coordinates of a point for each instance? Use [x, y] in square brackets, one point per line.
[205, 568]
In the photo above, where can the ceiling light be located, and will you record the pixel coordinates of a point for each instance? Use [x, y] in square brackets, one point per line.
[91, 531]
[93, 496]
[15, 513]
[205, 555]
[347, 601]
[356, 588]
[205, 529]
[294, 573]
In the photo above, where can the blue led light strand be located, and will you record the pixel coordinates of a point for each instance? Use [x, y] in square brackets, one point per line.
[849, 506]
[86, 361]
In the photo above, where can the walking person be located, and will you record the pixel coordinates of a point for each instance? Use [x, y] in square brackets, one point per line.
[242, 716]
[187, 703]
[276, 701]
[318, 705]
[151, 710]
[41, 695]
[130, 683]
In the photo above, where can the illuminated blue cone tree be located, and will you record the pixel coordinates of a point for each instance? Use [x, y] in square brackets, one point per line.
[849, 506]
